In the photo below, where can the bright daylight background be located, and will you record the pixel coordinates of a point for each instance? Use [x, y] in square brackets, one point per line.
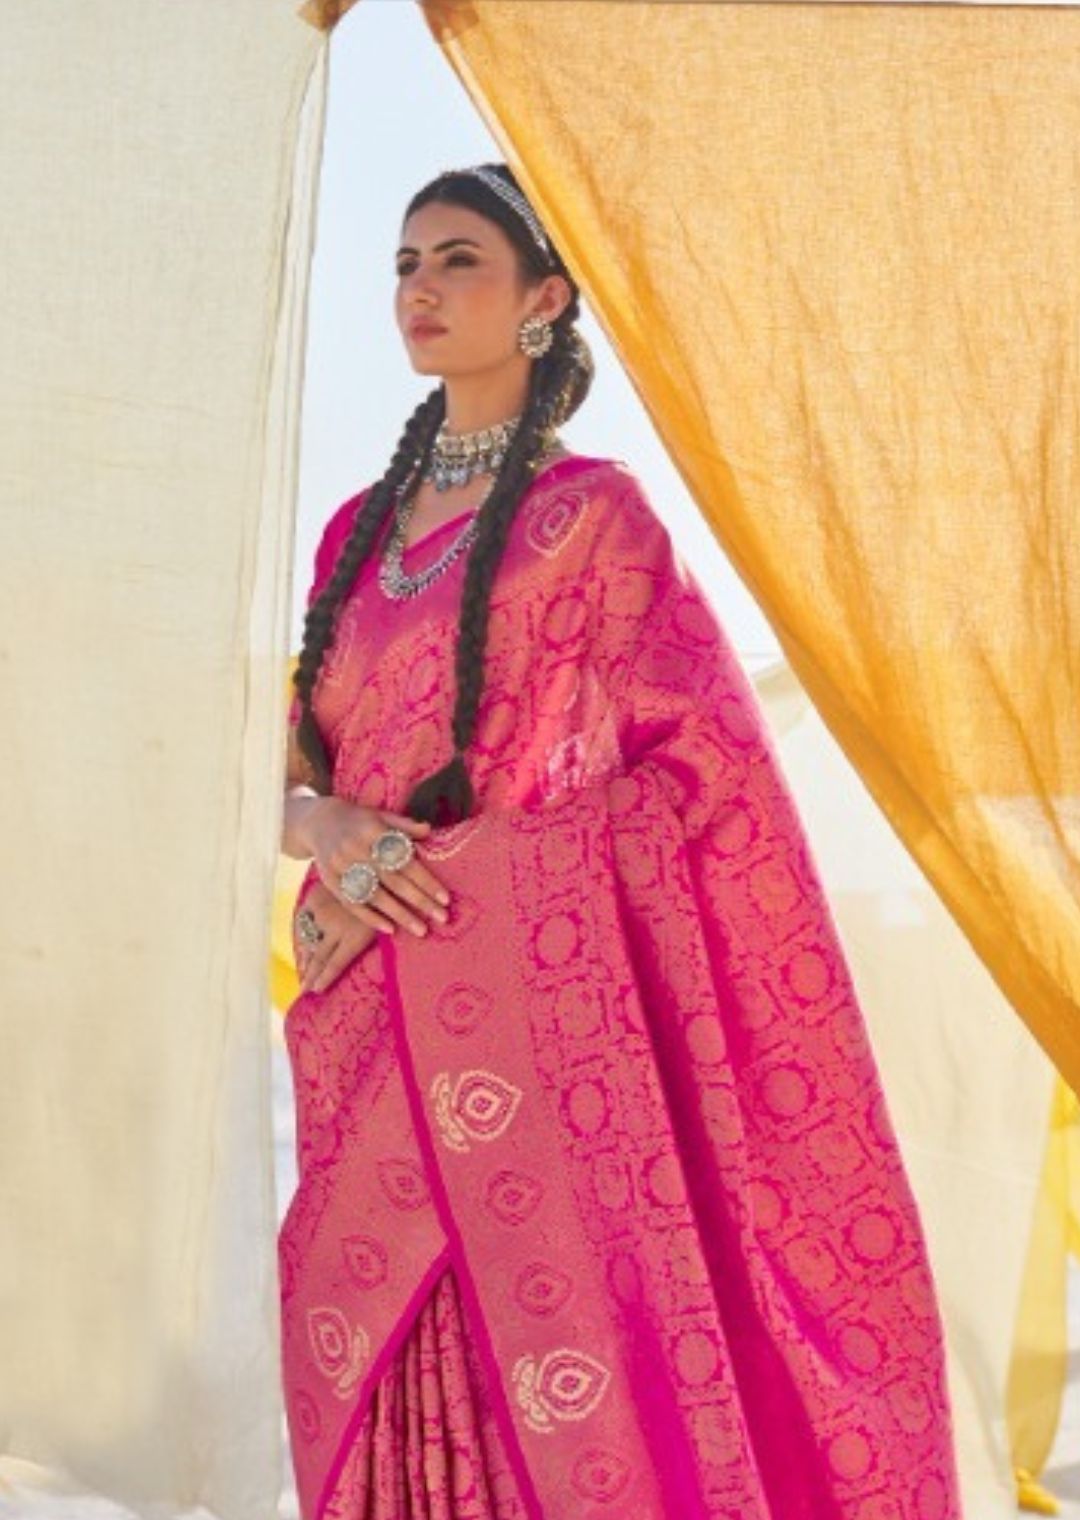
[397, 117]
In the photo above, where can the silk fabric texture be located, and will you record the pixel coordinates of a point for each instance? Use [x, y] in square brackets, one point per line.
[625, 1096]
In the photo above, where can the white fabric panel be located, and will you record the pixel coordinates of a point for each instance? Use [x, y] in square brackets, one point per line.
[158, 171]
[967, 1085]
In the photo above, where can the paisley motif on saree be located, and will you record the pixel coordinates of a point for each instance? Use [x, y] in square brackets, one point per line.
[626, 1093]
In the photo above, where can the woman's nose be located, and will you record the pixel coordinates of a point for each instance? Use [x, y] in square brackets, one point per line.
[417, 286]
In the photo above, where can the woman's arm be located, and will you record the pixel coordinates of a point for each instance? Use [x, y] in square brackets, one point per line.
[300, 797]
[300, 801]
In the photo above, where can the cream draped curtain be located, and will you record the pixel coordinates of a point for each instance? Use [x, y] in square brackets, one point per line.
[837, 256]
[158, 169]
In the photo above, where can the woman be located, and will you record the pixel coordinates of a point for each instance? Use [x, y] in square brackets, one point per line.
[600, 1210]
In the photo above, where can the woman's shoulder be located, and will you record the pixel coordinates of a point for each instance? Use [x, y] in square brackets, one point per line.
[335, 531]
[619, 505]
[605, 468]
[616, 500]
[581, 507]
[339, 524]
[611, 484]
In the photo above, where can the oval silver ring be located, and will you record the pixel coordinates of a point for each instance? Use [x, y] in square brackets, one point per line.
[359, 883]
[392, 850]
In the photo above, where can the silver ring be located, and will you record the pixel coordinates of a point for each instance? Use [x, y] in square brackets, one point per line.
[307, 928]
[359, 883]
[392, 850]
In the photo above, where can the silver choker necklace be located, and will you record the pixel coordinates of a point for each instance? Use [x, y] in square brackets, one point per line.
[457, 457]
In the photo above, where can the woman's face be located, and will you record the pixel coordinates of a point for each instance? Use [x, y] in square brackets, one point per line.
[458, 271]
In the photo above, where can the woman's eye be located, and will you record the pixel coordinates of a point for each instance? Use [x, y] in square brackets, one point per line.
[455, 258]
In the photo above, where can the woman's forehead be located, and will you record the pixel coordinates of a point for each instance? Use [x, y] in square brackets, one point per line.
[437, 222]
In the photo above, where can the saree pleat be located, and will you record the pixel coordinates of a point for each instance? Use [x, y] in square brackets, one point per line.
[429, 1447]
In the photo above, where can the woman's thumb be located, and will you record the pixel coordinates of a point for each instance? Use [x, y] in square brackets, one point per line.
[405, 821]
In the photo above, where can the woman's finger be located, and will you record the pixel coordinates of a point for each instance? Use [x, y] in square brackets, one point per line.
[312, 967]
[414, 885]
[404, 886]
[342, 956]
[361, 911]
[394, 908]
[415, 871]
[384, 909]
[416, 826]
[313, 964]
[426, 880]
[368, 914]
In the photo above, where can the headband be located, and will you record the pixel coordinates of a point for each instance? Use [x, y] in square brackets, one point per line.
[512, 197]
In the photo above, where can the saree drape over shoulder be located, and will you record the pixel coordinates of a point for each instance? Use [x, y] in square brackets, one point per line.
[600, 1211]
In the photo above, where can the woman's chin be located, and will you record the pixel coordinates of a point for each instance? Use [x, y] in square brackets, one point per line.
[424, 366]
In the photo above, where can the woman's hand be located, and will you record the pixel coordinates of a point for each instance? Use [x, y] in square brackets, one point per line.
[343, 939]
[341, 833]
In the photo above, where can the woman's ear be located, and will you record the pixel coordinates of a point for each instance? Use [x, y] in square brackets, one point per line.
[555, 298]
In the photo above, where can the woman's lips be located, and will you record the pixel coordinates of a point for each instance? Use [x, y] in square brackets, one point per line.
[426, 331]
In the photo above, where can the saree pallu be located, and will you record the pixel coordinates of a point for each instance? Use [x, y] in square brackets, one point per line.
[623, 1103]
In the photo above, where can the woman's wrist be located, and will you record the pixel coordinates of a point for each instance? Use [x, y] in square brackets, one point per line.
[299, 807]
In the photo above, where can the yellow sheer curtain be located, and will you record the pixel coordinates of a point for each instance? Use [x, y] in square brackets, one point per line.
[837, 256]
[1037, 1373]
[283, 982]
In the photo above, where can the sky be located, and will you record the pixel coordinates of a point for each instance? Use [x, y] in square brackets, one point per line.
[397, 116]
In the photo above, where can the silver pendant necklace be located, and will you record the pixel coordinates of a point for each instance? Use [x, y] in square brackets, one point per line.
[394, 580]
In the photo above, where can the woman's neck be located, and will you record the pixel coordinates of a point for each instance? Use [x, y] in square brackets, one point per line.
[472, 407]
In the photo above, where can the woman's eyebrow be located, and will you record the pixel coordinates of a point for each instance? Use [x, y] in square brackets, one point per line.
[449, 243]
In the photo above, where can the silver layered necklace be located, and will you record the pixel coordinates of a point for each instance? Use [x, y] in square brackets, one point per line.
[455, 460]
[457, 457]
[394, 579]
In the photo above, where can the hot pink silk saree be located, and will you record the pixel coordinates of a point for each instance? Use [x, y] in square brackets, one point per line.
[600, 1210]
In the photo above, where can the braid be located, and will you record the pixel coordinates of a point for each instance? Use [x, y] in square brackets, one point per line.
[416, 440]
[447, 796]
[559, 381]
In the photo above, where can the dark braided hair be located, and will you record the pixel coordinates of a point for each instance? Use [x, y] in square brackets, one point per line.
[559, 381]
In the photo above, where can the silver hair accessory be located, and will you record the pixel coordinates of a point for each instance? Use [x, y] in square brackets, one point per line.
[512, 197]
